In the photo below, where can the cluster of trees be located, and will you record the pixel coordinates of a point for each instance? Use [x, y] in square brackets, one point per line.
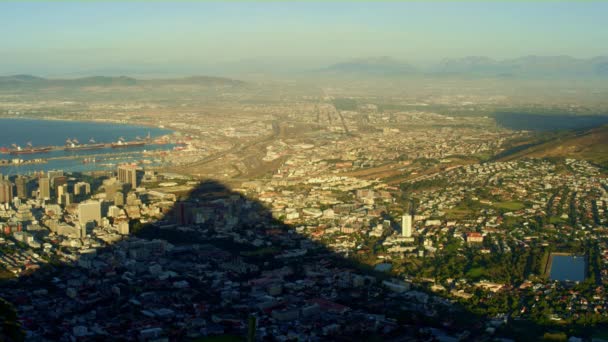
[424, 184]
[10, 329]
[345, 104]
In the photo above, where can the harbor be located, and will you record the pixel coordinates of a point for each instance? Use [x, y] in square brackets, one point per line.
[80, 146]
[73, 145]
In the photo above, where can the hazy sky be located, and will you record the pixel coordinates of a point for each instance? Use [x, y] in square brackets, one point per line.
[54, 38]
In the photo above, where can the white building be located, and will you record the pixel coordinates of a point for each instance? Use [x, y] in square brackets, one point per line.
[406, 225]
[89, 211]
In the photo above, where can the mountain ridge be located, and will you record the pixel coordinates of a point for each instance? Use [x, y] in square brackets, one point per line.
[31, 81]
[524, 66]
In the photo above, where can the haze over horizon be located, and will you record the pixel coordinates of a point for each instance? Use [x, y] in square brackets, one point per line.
[73, 39]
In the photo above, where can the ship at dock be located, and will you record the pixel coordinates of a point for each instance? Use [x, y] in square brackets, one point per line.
[29, 149]
[121, 143]
[75, 145]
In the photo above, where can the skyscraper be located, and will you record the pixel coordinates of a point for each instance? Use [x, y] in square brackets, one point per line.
[89, 211]
[82, 188]
[54, 174]
[68, 199]
[406, 225]
[128, 174]
[6, 191]
[58, 181]
[21, 183]
[44, 188]
[62, 190]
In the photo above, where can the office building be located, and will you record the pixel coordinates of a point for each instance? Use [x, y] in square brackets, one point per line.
[82, 188]
[52, 175]
[44, 188]
[67, 199]
[59, 180]
[89, 212]
[119, 199]
[406, 225]
[127, 174]
[114, 211]
[62, 190]
[6, 191]
[22, 190]
[132, 199]
[123, 227]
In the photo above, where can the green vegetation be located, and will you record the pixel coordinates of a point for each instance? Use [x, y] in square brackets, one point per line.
[345, 104]
[509, 205]
[558, 336]
[590, 145]
[10, 329]
[261, 252]
[424, 184]
[475, 273]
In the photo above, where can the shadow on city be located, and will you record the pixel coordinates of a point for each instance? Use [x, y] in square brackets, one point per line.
[218, 263]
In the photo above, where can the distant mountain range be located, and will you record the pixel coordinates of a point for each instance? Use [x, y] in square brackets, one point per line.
[473, 66]
[29, 81]
[523, 67]
[371, 66]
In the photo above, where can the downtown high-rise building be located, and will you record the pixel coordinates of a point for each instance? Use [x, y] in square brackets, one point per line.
[119, 199]
[82, 188]
[22, 189]
[127, 174]
[89, 211]
[62, 191]
[54, 174]
[6, 191]
[44, 188]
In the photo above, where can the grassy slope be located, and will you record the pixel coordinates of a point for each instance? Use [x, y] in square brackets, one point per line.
[591, 145]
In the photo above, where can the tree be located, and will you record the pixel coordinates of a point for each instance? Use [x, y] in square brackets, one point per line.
[10, 329]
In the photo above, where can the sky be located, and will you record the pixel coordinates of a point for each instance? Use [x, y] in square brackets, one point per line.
[53, 38]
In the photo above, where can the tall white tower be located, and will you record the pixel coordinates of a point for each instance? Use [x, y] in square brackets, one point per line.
[406, 225]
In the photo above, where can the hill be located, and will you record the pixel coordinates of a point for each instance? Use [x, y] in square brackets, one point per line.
[195, 80]
[590, 145]
[527, 66]
[24, 82]
[380, 66]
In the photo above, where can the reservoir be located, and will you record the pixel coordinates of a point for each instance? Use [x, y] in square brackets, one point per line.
[567, 268]
[40, 133]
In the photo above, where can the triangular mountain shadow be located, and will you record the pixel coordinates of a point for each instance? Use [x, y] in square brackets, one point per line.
[219, 264]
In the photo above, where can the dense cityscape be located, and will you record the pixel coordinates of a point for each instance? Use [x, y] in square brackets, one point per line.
[313, 228]
[172, 174]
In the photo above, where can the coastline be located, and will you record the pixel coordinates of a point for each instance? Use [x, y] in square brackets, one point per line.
[46, 118]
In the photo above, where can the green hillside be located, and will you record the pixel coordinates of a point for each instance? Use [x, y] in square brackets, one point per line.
[591, 145]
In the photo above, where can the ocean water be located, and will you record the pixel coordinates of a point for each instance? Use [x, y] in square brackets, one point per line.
[55, 133]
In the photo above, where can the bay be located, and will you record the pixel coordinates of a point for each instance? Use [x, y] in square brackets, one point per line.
[55, 132]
